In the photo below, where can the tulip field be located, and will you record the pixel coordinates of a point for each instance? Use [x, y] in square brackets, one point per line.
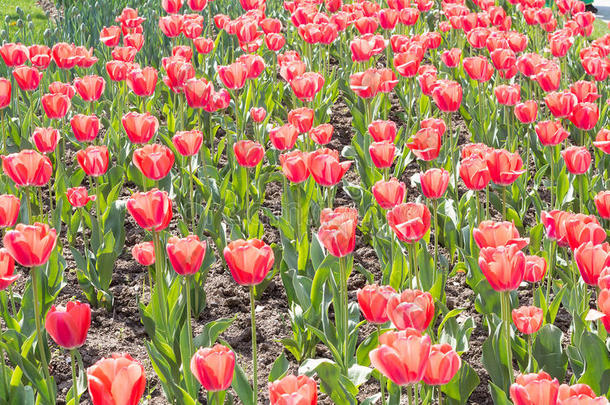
[305, 201]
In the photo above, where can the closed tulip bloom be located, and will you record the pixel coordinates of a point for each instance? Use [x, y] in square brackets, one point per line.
[535, 268]
[411, 309]
[338, 230]
[306, 85]
[389, 194]
[188, 143]
[171, 25]
[527, 111]
[144, 253]
[503, 266]
[116, 380]
[585, 91]
[64, 55]
[214, 367]
[110, 36]
[548, 77]
[152, 210]
[203, 45]
[447, 95]
[79, 196]
[443, 364]
[85, 127]
[40, 56]
[5, 92]
[7, 270]
[142, 82]
[234, 75]
[451, 58]
[474, 173]
[55, 105]
[409, 221]
[140, 128]
[551, 133]
[295, 166]
[27, 78]
[373, 301]
[14, 54]
[62, 88]
[154, 161]
[478, 68]
[31, 245]
[603, 282]
[434, 123]
[504, 167]
[534, 389]
[45, 139]
[561, 104]
[90, 88]
[402, 356]
[258, 114]
[382, 154]
[602, 203]
[602, 139]
[603, 303]
[186, 254]
[302, 119]
[322, 134]
[508, 95]
[527, 319]
[27, 168]
[249, 260]
[579, 394]
[171, 6]
[591, 260]
[496, 234]
[382, 130]
[369, 83]
[294, 390]
[248, 153]
[585, 116]
[94, 160]
[9, 210]
[68, 326]
[577, 159]
[325, 167]
[284, 137]
[434, 182]
[425, 144]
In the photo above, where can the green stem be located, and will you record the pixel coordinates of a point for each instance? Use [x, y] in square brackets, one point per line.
[381, 377]
[3, 131]
[410, 394]
[416, 393]
[530, 361]
[189, 327]
[98, 205]
[159, 283]
[414, 268]
[344, 310]
[487, 202]
[581, 197]
[28, 205]
[74, 377]
[191, 194]
[504, 202]
[552, 163]
[478, 198]
[506, 318]
[254, 356]
[246, 202]
[549, 280]
[39, 333]
[440, 396]
[436, 233]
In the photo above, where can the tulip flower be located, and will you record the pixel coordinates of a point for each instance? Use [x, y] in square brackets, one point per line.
[31, 245]
[5, 93]
[55, 105]
[369, 83]
[27, 78]
[79, 197]
[248, 153]
[90, 88]
[295, 166]
[116, 380]
[504, 167]
[27, 168]
[69, 326]
[94, 160]
[154, 161]
[535, 268]
[9, 210]
[382, 154]
[527, 319]
[402, 356]
[425, 144]
[527, 111]
[322, 134]
[372, 300]
[306, 85]
[14, 54]
[283, 138]
[233, 76]
[508, 95]
[140, 128]
[534, 388]
[45, 139]
[213, 367]
[85, 127]
[298, 390]
[7, 270]
[186, 254]
[497, 234]
[411, 309]
[188, 143]
[142, 82]
[579, 394]
[151, 210]
[585, 116]
[434, 182]
[110, 36]
[382, 130]
[62, 88]
[409, 221]
[258, 114]
[503, 266]
[551, 132]
[447, 95]
[325, 167]
[591, 260]
[474, 173]
[389, 194]
[580, 228]
[144, 253]
[602, 203]
[302, 119]
[338, 230]
[443, 365]
[478, 68]
[602, 139]
[577, 159]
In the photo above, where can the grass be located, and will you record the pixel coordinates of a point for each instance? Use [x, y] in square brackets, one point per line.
[29, 11]
[600, 28]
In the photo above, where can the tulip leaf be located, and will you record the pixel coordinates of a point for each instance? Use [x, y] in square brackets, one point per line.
[548, 352]
[211, 332]
[279, 368]
[499, 396]
[596, 361]
[461, 386]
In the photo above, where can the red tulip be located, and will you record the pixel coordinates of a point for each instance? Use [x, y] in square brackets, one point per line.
[548, 76]
[55, 105]
[585, 116]
[535, 268]
[295, 166]
[603, 282]
[9, 210]
[602, 202]
[186, 254]
[27, 78]
[14, 54]
[295, 390]
[388, 18]
[214, 367]
[203, 45]
[409, 221]
[188, 143]
[496, 234]
[45, 139]
[434, 123]
[527, 319]
[7, 270]
[534, 389]
[40, 56]
[447, 95]
[527, 111]
[591, 260]
[5, 93]
[79, 196]
[508, 95]
[551, 133]
[116, 380]
[443, 364]
[434, 182]
[85, 58]
[451, 58]
[68, 326]
[555, 225]
[248, 153]
[124, 54]
[585, 92]
[369, 83]
[389, 194]
[85, 127]
[382, 130]
[322, 134]
[502, 266]
[402, 356]
[171, 25]
[302, 119]
[411, 309]
[478, 68]
[90, 88]
[154, 161]
[602, 139]
[171, 6]
[579, 394]
[248, 260]
[64, 55]
[561, 104]
[198, 92]
[233, 76]
[62, 88]
[577, 159]
[504, 167]
[94, 160]
[382, 154]
[425, 144]
[373, 300]
[325, 167]
[475, 173]
[142, 82]
[30, 245]
[27, 168]
[338, 230]
[152, 210]
[258, 114]
[307, 85]
[110, 36]
[144, 253]
[140, 128]
[284, 137]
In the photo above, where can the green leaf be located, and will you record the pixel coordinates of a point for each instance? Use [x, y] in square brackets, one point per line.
[211, 331]
[242, 387]
[461, 386]
[596, 361]
[548, 352]
[279, 368]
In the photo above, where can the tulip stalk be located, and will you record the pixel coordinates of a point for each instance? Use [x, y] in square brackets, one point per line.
[412, 248]
[506, 319]
[254, 354]
[343, 271]
[38, 321]
[436, 232]
[159, 283]
[191, 194]
[75, 395]
[381, 377]
[189, 326]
